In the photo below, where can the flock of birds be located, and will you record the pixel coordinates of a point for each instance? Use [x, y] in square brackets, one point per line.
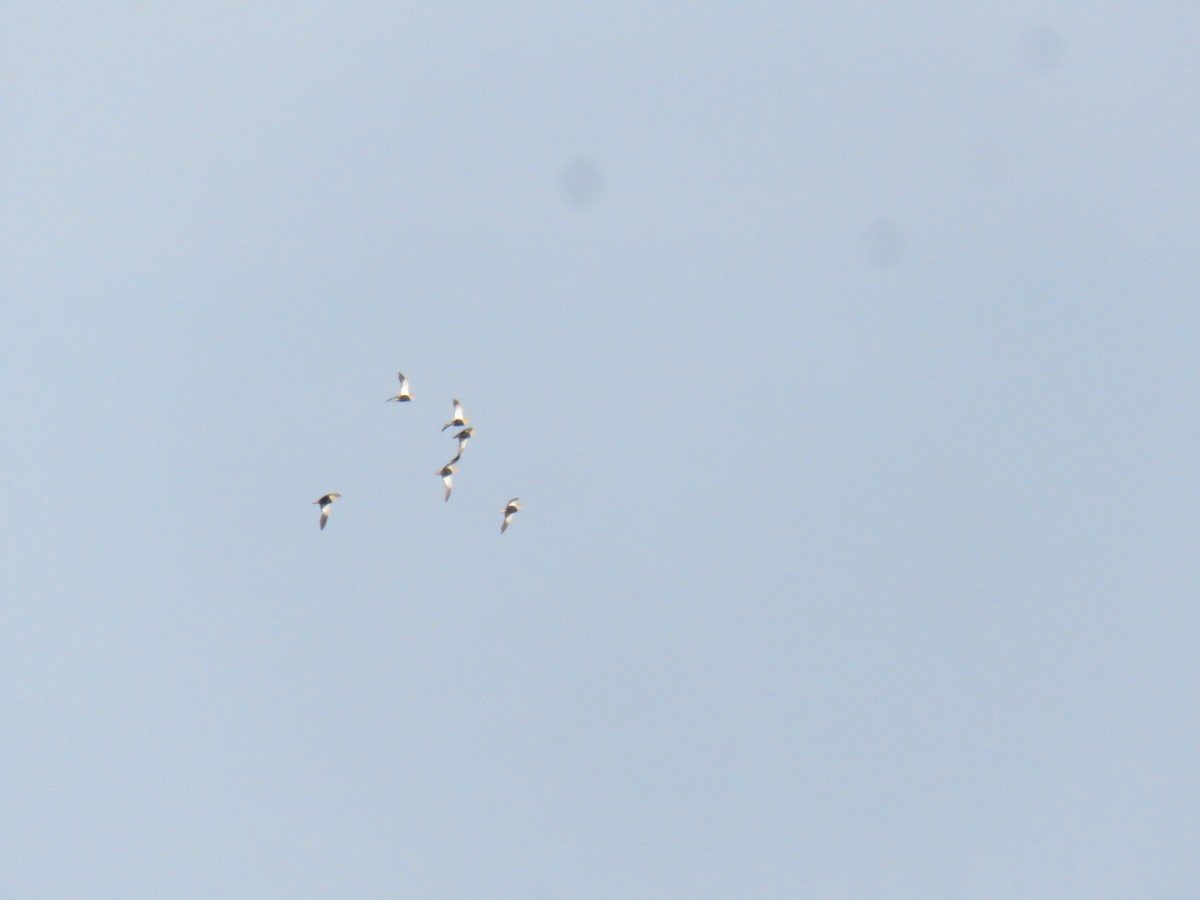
[458, 420]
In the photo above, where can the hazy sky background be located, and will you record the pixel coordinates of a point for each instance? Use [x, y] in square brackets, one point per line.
[844, 356]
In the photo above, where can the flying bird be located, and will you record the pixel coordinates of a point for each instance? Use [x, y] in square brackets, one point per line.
[446, 472]
[462, 437]
[326, 502]
[459, 418]
[510, 510]
[405, 393]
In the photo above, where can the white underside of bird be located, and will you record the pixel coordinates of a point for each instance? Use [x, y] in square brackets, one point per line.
[462, 437]
[510, 510]
[405, 393]
[459, 417]
[447, 472]
[325, 503]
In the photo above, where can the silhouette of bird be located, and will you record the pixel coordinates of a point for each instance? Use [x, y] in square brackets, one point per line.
[459, 418]
[405, 394]
[510, 510]
[447, 471]
[462, 437]
[326, 502]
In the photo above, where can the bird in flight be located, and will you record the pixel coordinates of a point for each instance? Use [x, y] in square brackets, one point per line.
[459, 418]
[447, 471]
[462, 437]
[405, 393]
[326, 502]
[510, 510]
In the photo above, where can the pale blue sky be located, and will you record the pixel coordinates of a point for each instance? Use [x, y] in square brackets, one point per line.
[854, 417]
